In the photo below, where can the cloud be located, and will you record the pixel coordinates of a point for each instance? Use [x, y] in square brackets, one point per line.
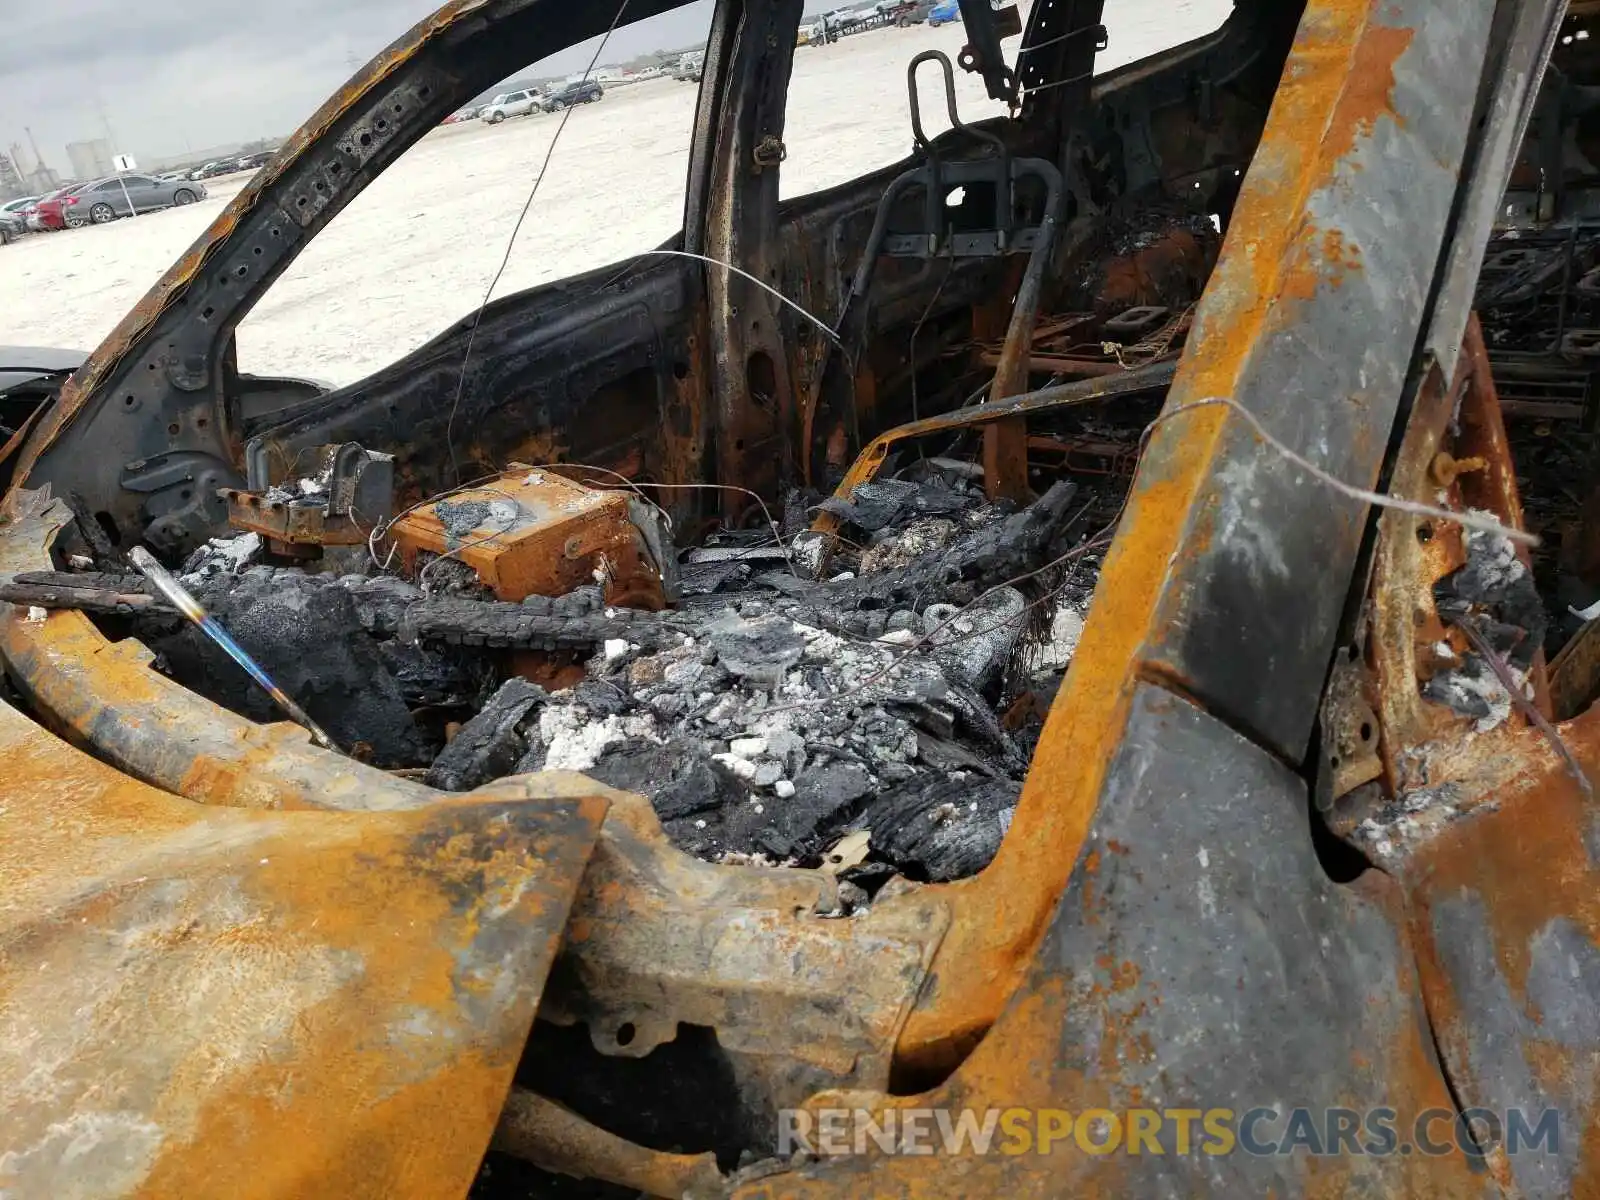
[184, 75]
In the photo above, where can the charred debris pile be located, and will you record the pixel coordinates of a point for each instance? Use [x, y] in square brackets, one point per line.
[867, 700]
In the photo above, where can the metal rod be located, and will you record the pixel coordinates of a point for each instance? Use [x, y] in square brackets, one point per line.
[178, 596]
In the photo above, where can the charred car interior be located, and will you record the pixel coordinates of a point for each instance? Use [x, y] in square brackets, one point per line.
[1100, 615]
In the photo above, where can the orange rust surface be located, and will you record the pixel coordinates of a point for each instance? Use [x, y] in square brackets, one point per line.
[1338, 81]
[204, 1002]
[1522, 855]
[541, 535]
[1173, 268]
[1024, 1074]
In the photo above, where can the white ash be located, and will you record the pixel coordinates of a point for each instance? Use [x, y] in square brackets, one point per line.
[574, 740]
[1406, 824]
[222, 556]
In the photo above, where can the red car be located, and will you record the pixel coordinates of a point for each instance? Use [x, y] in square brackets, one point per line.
[55, 209]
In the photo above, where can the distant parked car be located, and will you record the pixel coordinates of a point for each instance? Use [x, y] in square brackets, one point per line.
[223, 166]
[58, 209]
[586, 92]
[254, 162]
[944, 14]
[13, 221]
[512, 104]
[466, 114]
[104, 200]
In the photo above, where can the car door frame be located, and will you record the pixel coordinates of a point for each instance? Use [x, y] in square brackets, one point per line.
[171, 363]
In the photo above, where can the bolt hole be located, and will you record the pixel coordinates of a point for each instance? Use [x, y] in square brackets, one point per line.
[1424, 534]
[258, 251]
[207, 313]
[186, 494]
[201, 422]
[241, 272]
[129, 401]
[174, 429]
[1366, 731]
[626, 1033]
[680, 371]
[365, 139]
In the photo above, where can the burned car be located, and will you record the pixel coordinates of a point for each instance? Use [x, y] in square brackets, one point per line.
[1097, 671]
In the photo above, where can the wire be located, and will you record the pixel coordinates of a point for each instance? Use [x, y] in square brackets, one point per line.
[381, 529]
[717, 262]
[1526, 707]
[1065, 37]
[777, 531]
[1467, 520]
[505, 260]
[628, 483]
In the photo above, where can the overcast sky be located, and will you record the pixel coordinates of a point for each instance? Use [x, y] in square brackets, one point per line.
[176, 75]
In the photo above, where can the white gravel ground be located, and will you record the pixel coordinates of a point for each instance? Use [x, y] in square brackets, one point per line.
[415, 251]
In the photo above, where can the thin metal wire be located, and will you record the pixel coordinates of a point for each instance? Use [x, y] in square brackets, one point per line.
[1377, 499]
[1527, 708]
[1065, 37]
[505, 259]
[777, 531]
[717, 262]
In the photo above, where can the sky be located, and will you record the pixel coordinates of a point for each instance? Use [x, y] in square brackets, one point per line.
[177, 76]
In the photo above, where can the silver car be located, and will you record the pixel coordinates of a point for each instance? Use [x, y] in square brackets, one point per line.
[512, 104]
[13, 222]
[107, 199]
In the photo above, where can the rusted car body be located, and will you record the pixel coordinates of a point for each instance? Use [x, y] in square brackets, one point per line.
[1252, 865]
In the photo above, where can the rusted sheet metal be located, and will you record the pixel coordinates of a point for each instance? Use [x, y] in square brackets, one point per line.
[535, 533]
[202, 1001]
[660, 939]
[1230, 570]
[1505, 906]
[1201, 960]
[1468, 469]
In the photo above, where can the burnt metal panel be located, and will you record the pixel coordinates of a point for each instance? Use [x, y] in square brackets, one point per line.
[1347, 254]
[1200, 958]
[211, 1001]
